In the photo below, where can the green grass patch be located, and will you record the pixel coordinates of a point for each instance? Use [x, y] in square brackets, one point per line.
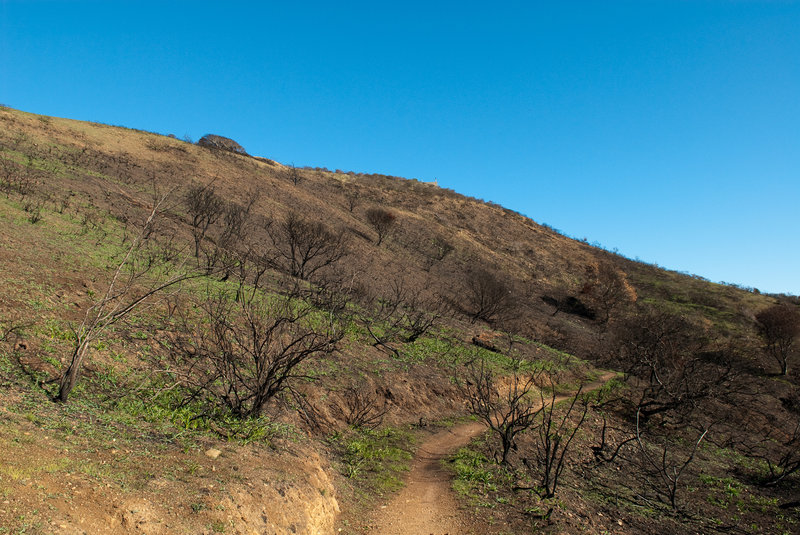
[377, 458]
[479, 479]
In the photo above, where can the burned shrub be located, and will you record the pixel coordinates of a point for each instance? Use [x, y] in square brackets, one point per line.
[381, 221]
[303, 247]
[486, 297]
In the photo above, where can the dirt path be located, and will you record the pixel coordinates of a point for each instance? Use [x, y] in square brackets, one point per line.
[427, 505]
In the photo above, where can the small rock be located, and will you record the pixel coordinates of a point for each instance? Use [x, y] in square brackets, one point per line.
[213, 453]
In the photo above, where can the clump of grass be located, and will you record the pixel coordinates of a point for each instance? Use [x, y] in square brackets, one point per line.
[472, 470]
[479, 478]
[375, 458]
[166, 407]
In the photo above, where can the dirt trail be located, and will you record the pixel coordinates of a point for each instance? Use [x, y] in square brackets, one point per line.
[427, 505]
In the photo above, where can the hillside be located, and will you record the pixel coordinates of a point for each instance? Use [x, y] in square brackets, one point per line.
[258, 348]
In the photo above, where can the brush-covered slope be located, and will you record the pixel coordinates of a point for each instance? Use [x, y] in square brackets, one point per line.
[423, 282]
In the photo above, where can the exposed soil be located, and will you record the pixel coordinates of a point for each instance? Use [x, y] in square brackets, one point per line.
[73, 480]
[426, 505]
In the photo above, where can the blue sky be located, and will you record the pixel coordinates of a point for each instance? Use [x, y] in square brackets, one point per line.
[668, 130]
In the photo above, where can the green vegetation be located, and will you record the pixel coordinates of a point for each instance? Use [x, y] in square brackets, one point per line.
[477, 476]
[375, 458]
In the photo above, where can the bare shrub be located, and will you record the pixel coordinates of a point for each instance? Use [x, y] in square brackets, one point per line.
[364, 408]
[402, 313]
[664, 463]
[235, 218]
[64, 202]
[607, 289]
[293, 173]
[9, 172]
[779, 327]
[33, 207]
[382, 221]
[433, 251]
[204, 207]
[508, 410]
[609, 448]
[779, 450]
[775, 443]
[227, 245]
[526, 401]
[555, 430]
[14, 176]
[485, 296]
[303, 247]
[353, 199]
[144, 271]
[663, 356]
[244, 350]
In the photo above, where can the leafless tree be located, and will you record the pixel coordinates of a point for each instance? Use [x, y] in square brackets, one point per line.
[556, 428]
[779, 326]
[223, 250]
[353, 199]
[607, 288]
[303, 247]
[608, 448]
[780, 452]
[294, 174]
[662, 466]
[508, 410]
[663, 358]
[774, 440]
[144, 271]
[382, 221]
[204, 207]
[434, 251]
[486, 297]
[402, 313]
[235, 218]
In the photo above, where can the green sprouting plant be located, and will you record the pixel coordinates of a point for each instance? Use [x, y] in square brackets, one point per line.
[472, 466]
[376, 457]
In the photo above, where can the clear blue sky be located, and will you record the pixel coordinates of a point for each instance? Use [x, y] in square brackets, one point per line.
[667, 129]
